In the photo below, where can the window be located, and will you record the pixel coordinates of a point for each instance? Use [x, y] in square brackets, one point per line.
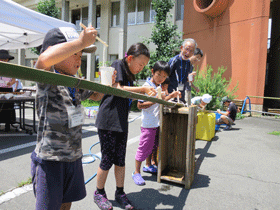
[98, 16]
[143, 13]
[139, 12]
[113, 58]
[152, 14]
[131, 12]
[115, 19]
[76, 18]
[79, 15]
[180, 10]
[85, 16]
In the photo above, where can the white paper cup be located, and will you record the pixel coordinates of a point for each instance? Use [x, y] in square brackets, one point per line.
[106, 75]
[190, 78]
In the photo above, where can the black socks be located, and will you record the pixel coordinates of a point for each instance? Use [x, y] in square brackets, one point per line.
[119, 190]
[100, 191]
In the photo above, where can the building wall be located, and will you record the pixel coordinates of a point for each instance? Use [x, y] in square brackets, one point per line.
[236, 39]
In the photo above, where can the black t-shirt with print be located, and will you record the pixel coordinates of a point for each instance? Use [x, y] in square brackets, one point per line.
[113, 110]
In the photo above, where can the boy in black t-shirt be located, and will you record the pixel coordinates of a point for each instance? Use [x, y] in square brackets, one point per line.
[229, 116]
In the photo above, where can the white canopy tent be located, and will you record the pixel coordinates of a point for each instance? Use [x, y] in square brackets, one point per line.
[21, 27]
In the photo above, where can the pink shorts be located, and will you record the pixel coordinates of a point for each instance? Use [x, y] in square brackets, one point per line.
[148, 143]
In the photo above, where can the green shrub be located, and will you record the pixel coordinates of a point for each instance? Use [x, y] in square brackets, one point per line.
[239, 116]
[277, 133]
[89, 103]
[215, 85]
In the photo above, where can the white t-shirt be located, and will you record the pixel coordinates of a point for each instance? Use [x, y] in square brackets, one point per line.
[19, 87]
[150, 116]
[196, 100]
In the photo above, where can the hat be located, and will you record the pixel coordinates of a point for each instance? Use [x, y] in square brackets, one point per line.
[226, 99]
[63, 34]
[4, 54]
[206, 98]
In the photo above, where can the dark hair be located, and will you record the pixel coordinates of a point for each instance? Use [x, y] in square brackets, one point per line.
[198, 51]
[135, 50]
[166, 81]
[226, 99]
[161, 66]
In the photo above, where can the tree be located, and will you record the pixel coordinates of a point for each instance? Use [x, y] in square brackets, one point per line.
[46, 7]
[164, 35]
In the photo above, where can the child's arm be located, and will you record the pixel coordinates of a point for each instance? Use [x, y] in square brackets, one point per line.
[60, 52]
[223, 113]
[150, 91]
[96, 96]
[173, 95]
[144, 105]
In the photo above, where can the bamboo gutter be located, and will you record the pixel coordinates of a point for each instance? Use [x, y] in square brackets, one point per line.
[42, 76]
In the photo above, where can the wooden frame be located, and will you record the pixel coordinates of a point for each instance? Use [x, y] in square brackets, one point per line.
[176, 158]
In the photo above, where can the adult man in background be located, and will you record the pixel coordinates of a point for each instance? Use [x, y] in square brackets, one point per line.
[181, 67]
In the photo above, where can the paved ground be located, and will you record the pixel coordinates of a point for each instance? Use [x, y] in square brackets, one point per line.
[238, 169]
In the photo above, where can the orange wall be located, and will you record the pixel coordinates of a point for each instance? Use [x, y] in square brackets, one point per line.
[237, 39]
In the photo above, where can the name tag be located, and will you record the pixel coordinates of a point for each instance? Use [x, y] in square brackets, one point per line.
[2, 82]
[76, 116]
[181, 86]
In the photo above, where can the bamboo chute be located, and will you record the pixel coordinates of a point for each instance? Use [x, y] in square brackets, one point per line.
[42, 76]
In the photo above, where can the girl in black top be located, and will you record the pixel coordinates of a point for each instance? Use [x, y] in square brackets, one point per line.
[112, 124]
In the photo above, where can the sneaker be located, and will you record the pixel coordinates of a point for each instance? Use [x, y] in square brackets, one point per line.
[123, 201]
[102, 202]
[137, 178]
[227, 128]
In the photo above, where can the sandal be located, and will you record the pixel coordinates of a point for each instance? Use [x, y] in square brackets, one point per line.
[137, 178]
[150, 169]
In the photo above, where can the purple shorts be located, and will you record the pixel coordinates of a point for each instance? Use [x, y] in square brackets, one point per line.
[148, 143]
[56, 182]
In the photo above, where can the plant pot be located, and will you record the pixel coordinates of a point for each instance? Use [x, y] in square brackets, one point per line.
[212, 8]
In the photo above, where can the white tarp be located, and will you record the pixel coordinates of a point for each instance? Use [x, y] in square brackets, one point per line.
[21, 27]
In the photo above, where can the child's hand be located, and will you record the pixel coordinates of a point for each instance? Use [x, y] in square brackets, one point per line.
[114, 76]
[193, 73]
[88, 36]
[175, 94]
[150, 91]
[218, 110]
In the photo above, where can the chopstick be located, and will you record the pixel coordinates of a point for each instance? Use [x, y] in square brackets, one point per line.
[84, 27]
